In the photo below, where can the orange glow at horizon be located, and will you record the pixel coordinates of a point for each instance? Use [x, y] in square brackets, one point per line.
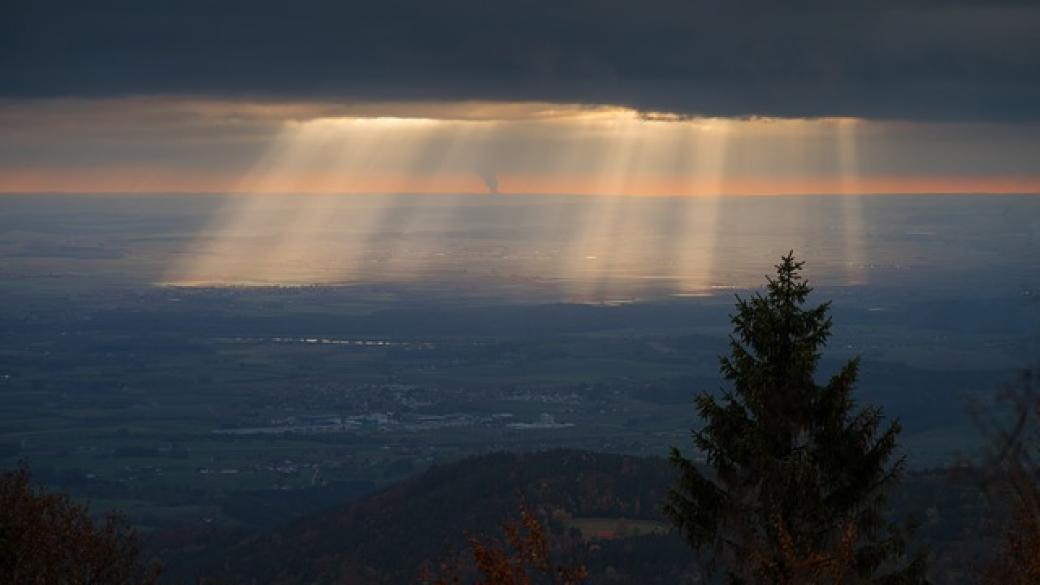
[175, 181]
[472, 148]
[593, 249]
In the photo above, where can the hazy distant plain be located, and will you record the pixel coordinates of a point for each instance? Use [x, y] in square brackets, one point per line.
[442, 325]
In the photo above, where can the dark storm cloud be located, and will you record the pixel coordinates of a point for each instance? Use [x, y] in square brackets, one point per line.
[889, 59]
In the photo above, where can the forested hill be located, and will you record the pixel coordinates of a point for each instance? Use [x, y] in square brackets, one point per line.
[387, 536]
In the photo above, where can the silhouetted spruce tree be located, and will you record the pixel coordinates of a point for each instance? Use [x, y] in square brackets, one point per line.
[796, 492]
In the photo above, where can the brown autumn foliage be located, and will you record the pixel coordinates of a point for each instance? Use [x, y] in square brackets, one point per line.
[1014, 482]
[1019, 561]
[522, 558]
[46, 539]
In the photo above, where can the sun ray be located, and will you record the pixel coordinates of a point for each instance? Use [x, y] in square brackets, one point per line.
[851, 201]
[696, 246]
[404, 215]
[589, 259]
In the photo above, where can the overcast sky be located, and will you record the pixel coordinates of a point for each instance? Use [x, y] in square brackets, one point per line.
[192, 93]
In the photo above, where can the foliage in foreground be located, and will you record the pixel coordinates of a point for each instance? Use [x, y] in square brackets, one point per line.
[522, 558]
[799, 474]
[1014, 482]
[47, 539]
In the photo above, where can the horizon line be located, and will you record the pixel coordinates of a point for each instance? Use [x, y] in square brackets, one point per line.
[502, 194]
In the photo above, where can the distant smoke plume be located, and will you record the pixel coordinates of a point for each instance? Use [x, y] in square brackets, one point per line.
[490, 179]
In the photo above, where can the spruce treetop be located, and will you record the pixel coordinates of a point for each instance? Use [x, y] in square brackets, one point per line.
[798, 475]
